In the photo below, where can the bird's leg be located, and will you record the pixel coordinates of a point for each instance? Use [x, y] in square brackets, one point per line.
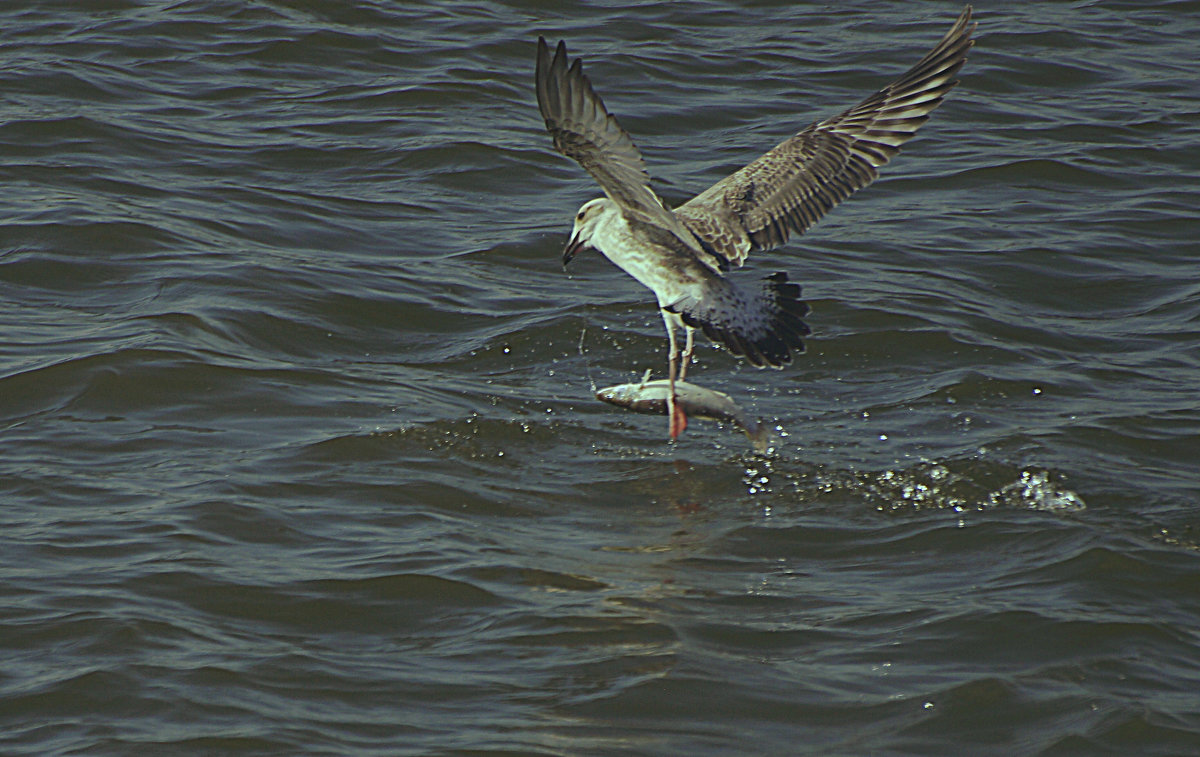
[677, 419]
[686, 359]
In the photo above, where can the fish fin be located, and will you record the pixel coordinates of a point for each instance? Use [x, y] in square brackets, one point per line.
[762, 324]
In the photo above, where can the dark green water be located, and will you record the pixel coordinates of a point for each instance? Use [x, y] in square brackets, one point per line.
[298, 448]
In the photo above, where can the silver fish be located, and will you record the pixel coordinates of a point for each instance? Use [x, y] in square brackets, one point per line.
[651, 397]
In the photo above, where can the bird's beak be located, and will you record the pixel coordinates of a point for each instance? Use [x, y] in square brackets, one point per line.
[572, 249]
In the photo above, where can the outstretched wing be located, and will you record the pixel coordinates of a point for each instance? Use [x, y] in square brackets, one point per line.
[584, 130]
[795, 184]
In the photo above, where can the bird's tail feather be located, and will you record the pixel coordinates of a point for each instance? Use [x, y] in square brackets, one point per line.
[762, 324]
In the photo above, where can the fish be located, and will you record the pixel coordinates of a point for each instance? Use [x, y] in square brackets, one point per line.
[697, 401]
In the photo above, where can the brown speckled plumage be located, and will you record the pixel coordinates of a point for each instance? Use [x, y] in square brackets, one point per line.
[791, 187]
[681, 255]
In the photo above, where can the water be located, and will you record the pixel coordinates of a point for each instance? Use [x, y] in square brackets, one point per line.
[299, 453]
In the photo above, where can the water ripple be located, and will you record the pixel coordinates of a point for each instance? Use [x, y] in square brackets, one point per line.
[298, 446]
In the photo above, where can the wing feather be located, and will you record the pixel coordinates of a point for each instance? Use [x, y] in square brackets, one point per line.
[794, 185]
[584, 130]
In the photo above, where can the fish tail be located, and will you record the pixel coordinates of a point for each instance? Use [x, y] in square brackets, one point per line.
[764, 324]
[759, 436]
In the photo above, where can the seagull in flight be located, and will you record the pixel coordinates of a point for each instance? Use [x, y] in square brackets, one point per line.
[683, 254]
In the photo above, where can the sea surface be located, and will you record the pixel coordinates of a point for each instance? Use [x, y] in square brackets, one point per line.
[299, 452]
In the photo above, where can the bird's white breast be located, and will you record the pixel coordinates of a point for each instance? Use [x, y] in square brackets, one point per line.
[668, 273]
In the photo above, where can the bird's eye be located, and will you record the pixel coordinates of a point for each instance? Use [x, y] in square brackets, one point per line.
[579, 217]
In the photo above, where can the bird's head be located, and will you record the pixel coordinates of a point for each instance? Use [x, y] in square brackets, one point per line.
[586, 221]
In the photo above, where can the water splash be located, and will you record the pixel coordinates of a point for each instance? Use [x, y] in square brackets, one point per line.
[970, 485]
[962, 485]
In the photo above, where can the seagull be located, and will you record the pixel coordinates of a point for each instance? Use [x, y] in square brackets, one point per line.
[682, 255]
